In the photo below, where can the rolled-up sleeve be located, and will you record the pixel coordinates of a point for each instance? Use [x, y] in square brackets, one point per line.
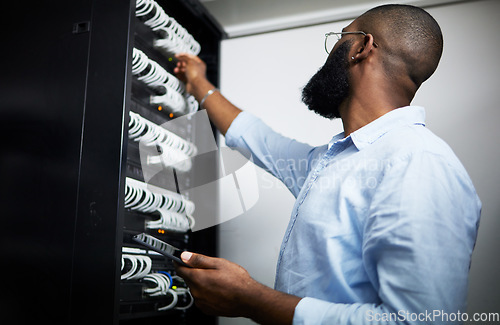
[287, 159]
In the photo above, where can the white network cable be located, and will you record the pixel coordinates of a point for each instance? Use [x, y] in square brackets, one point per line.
[141, 269]
[183, 291]
[163, 287]
[140, 266]
[175, 151]
[142, 129]
[176, 212]
[148, 198]
[171, 220]
[176, 38]
[155, 76]
[162, 282]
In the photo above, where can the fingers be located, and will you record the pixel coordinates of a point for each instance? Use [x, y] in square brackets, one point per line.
[199, 261]
[179, 70]
[216, 284]
[184, 57]
[189, 68]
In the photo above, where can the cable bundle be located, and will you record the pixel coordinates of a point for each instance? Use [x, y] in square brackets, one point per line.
[163, 285]
[174, 150]
[172, 221]
[135, 266]
[174, 95]
[175, 38]
[174, 209]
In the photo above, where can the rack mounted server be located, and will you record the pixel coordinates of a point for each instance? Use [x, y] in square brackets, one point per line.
[83, 83]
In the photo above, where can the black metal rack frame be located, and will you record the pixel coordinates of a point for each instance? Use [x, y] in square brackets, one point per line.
[64, 103]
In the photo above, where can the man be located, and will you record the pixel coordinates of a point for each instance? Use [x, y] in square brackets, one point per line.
[386, 220]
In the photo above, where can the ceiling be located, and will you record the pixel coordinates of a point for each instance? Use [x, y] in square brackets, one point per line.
[246, 17]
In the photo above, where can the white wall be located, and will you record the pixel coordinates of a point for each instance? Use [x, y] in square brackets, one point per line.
[264, 75]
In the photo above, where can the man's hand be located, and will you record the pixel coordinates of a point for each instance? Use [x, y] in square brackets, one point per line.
[190, 69]
[216, 284]
[223, 288]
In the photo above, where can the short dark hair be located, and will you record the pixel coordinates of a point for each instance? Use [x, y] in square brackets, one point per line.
[410, 38]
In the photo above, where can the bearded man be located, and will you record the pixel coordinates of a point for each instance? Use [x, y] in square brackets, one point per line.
[385, 222]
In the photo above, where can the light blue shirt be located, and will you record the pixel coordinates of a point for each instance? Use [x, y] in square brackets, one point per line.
[384, 223]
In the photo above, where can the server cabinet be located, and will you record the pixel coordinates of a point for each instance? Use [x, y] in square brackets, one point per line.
[66, 95]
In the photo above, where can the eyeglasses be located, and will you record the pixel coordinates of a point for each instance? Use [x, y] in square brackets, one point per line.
[330, 41]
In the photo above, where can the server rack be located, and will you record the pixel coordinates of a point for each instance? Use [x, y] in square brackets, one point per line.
[66, 94]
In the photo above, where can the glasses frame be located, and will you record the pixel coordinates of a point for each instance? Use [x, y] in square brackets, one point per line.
[339, 36]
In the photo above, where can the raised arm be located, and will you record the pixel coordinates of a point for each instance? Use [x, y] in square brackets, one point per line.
[192, 71]
[288, 160]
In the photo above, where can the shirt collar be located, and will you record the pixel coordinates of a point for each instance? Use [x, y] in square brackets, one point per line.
[368, 134]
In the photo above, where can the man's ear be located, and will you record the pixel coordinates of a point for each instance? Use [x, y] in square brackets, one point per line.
[363, 51]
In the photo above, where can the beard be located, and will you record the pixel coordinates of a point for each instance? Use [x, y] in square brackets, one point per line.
[329, 87]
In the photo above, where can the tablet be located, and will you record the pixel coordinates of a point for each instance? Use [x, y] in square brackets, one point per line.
[160, 246]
